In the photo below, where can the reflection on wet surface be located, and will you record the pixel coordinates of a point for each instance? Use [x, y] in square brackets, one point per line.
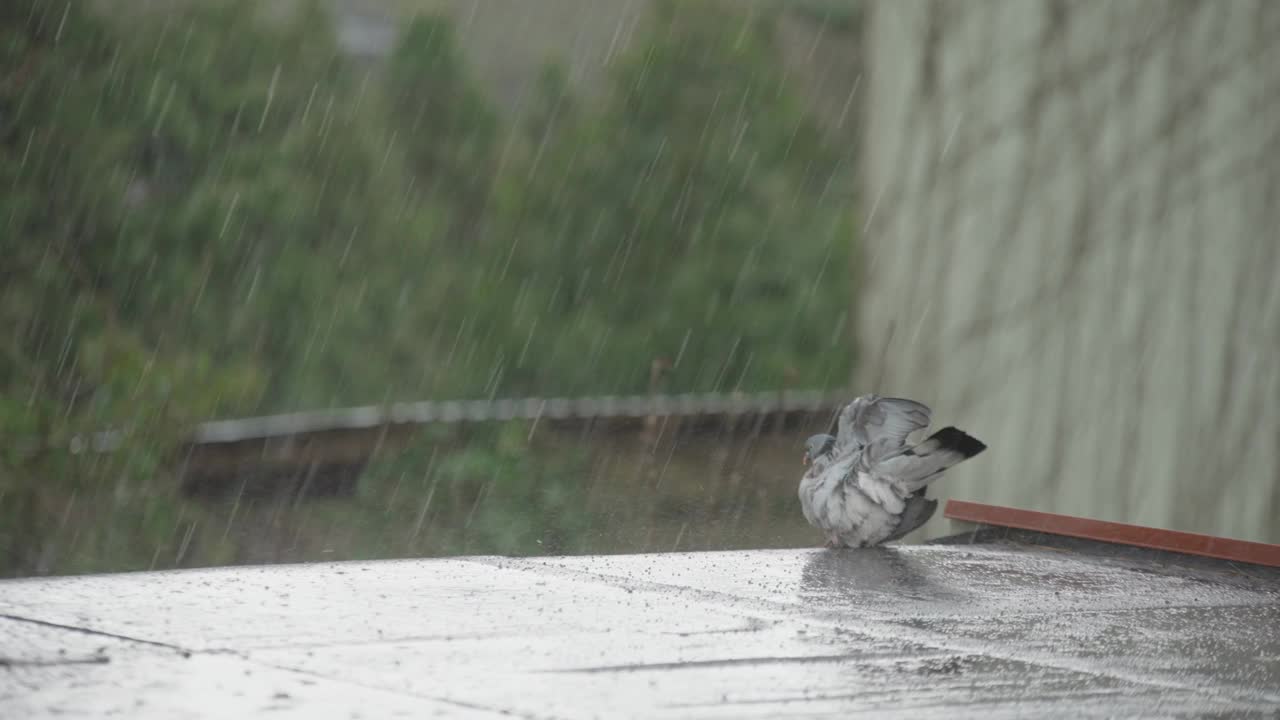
[830, 576]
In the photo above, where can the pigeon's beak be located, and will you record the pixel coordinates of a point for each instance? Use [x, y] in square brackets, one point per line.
[806, 460]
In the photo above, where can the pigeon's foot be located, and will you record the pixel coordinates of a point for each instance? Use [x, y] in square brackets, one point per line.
[832, 543]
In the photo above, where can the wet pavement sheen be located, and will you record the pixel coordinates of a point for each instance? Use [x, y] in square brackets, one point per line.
[993, 630]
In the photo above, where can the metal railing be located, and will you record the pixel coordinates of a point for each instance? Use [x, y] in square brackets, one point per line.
[534, 409]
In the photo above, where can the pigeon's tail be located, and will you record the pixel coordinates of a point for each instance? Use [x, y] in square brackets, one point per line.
[915, 467]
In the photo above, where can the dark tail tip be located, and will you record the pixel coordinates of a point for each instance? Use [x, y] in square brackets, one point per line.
[953, 438]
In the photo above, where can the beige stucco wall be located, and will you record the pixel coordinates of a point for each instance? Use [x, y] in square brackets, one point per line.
[1073, 250]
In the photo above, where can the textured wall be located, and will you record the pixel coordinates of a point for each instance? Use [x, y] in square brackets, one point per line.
[1073, 249]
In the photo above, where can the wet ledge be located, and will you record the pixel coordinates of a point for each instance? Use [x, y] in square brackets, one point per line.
[996, 626]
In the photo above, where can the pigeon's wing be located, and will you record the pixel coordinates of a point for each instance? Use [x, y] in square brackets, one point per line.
[918, 511]
[884, 422]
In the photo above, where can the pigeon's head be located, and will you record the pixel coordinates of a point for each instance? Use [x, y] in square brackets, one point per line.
[817, 446]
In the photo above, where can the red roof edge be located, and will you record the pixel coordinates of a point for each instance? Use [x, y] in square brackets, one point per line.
[1113, 532]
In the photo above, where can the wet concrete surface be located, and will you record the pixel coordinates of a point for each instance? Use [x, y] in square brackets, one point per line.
[992, 630]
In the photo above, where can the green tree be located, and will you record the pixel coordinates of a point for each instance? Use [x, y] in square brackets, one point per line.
[183, 243]
[691, 216]
[73, 361]
[447, 128]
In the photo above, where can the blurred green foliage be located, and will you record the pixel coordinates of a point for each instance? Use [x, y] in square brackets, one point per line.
[209, 215]
[690, 215]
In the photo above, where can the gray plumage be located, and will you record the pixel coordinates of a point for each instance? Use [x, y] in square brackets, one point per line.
[919, 510]
[866, 486]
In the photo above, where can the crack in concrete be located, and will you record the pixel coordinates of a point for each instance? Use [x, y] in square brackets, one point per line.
[97, 633]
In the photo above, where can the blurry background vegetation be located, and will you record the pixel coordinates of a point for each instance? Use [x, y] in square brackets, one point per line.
[213, 212]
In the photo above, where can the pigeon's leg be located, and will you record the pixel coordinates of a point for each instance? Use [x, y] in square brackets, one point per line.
[833, 542]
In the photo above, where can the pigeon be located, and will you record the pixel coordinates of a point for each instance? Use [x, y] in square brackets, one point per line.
[865, 485]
